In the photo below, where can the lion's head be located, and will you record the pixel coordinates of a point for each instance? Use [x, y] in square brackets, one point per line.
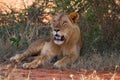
[64, 26]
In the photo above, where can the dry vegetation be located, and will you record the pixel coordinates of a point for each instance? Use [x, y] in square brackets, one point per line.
[99, 23]
[8, 73]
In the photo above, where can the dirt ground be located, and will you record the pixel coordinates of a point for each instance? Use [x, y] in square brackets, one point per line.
[15, 73]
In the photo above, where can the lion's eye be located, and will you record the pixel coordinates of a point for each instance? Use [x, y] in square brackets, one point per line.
[53, 22]
[64, 23]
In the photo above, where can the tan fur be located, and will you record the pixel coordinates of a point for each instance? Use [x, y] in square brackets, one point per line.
[68, 45]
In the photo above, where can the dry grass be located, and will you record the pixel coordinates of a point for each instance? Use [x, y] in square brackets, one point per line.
[12, 74]
[95, 60]
[15, 74]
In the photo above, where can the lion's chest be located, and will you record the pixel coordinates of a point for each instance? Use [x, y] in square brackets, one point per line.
[65, 50]
[47, 48]
[50, 49]
[69, 49]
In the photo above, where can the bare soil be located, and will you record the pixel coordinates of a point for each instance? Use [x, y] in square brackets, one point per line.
[15, 73]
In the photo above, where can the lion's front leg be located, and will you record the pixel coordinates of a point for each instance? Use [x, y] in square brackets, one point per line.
[38, 61]
[68, 59]
[33, 49]
[33, 64]
[17, 58]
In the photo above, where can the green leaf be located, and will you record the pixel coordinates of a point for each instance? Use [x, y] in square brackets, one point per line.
[13, 39]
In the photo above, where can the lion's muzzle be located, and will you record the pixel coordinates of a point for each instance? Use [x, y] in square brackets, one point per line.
[58, 37]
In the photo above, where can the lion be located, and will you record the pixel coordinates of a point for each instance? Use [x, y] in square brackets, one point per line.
[66, 40]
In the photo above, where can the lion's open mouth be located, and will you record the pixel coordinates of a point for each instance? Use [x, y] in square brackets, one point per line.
[59, 38]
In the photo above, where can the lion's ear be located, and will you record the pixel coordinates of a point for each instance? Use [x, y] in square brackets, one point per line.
[73, 17]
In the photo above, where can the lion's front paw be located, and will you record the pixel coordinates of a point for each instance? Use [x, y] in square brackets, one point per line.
[30, 65]
[15, 58]
[59, 65]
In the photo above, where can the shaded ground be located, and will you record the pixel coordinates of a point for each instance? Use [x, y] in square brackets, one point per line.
[14, 73]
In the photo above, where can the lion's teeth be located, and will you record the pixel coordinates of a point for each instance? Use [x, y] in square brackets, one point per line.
[58, 37]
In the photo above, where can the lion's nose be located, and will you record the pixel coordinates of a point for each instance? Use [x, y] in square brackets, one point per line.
[56, 30]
